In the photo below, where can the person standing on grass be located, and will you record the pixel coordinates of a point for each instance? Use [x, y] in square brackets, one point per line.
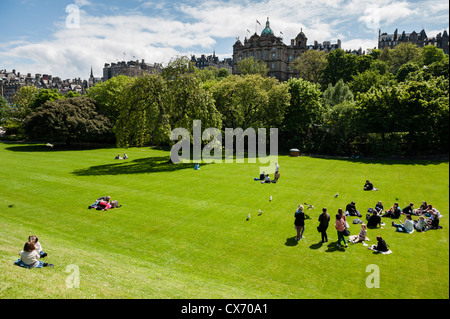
[324, 220]
[340, 227]
[299, 222]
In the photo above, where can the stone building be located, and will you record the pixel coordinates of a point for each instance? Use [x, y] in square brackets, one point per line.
[130, 68]
[421, 39]
[11, 82]
[212, 60]
[272, 50]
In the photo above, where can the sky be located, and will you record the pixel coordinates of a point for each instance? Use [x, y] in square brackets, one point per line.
[65, 38]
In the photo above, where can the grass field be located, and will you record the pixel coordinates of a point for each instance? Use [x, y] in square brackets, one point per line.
[183, 233]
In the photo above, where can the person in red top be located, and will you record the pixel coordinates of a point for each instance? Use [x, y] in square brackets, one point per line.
[340, 226]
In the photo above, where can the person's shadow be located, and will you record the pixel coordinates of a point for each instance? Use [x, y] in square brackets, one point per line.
[291, 241]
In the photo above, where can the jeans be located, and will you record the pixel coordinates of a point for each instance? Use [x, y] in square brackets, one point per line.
[341, 237]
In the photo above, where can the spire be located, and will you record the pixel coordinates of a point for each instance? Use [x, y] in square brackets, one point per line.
[92, 73]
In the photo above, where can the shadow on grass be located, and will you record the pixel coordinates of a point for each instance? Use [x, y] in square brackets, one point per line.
[137, 166]
[332, 247]
[291, 241]
[42, 147]
[399, 160]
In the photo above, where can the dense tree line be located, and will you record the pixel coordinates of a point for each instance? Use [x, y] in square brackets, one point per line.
[388, 102]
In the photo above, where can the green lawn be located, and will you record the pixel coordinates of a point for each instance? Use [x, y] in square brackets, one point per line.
[183, 233]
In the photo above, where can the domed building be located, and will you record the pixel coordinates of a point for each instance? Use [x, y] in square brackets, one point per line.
[271, 49]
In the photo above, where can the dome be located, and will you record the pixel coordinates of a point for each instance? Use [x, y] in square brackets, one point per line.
[267, 30]
[301, 34]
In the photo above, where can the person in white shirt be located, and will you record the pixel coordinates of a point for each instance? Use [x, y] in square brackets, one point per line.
[29, 255]
[406, 227]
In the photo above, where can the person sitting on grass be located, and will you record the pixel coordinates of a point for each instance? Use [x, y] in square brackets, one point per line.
[422, 209]
[266, 179]
[29, 257]
[351, 209]
[393, 212]
[379, 207]
[406, 227]
[433, 222]
[428, 211]
[420, 225]
[374, 220]
[381, 245]
[409, 210]
[368, 186]
[37, 245]
[361, 237]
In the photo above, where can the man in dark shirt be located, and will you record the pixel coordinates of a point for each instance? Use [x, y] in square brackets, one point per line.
[368, 186]
[351, 209]
[374, 220]
[408, 210]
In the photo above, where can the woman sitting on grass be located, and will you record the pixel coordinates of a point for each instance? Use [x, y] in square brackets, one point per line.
[361, 237]
[29, 257]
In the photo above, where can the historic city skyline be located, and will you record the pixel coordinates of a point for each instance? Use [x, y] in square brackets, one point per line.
[46, 38]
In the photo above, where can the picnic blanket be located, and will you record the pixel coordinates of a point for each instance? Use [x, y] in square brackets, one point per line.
[20, 263]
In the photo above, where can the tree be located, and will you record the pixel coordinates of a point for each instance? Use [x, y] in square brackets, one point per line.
[337, 94]
[363, 82]
[303, 116]
[143, 112]
[419, 109]
[403, 53]
[310, 65]
[431, 54]
[44, 95]
[69, 120]
[23, 99]
[5, 110]
[250, 101]
[107, 94]
[252, 66]
[340, 65]
[338, 131]
[406, 69]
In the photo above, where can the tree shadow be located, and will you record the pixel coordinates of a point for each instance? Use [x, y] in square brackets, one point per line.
[39, 147]
[291, 241]
[137, 166]
[392, 160]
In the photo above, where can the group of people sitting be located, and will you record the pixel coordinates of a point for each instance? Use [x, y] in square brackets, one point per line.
[104, 203]
[125, 156]
[31, 253]
[265, 178]
[428, 217]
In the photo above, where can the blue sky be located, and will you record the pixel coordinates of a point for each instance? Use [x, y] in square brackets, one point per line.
[42, 36]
